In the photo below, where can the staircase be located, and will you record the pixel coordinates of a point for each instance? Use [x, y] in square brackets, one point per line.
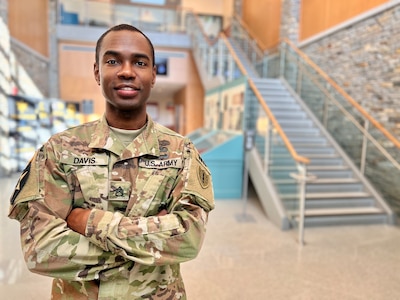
[338, 194]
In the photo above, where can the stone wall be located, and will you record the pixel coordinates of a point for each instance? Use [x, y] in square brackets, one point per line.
[363, 57]
[290, 20]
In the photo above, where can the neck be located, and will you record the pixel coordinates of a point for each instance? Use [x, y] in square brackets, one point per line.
[127, 120]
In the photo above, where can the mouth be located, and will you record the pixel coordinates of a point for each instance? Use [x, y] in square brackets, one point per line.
[127, 90]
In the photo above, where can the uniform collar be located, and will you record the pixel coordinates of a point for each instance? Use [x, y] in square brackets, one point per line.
[146, 143]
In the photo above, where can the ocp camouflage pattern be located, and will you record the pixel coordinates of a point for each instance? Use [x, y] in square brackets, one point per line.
[127, 251]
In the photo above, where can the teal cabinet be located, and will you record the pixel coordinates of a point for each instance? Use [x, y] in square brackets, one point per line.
[223, 153]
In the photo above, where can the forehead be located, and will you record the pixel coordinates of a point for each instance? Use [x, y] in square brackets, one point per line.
[125, 41]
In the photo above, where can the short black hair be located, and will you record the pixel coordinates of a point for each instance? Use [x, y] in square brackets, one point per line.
[121, 27]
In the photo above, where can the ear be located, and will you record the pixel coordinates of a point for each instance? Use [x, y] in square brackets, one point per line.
[96, 73]
[153, 81]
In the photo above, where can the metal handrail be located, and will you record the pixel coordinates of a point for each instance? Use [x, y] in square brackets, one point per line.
[298, 158]
[353, 120]
[355, 104]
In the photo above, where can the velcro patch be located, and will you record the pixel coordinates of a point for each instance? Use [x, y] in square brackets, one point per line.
[119, 191]
[161, 163]
[84, 160]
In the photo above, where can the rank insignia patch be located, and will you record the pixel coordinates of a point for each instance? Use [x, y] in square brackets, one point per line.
[119, 192]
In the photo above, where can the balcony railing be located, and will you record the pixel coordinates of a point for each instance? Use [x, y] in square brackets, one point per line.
[96, 13]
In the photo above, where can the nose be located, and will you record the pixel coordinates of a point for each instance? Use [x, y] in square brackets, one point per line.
[126, 71]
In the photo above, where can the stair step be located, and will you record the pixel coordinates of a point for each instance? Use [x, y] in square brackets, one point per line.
[334, 180]
[322, 155]
[324, 168]
[332, 203]
[278, 107]
[305, 144]
[289, 115]
[301, 140]
[303, 124]
[332, 173]
[340, 196]
[305, 151]
[310, 132]
[342, 211]
[320, 181]
[279, 99]
[274, 81]
[309, 168]
[336, 195]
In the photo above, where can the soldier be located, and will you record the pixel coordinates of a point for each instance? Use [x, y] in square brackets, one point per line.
[112, 207]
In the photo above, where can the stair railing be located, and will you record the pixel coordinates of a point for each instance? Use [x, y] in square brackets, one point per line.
[221, 62]
[372, 148]
[242, 35]
[260, 118]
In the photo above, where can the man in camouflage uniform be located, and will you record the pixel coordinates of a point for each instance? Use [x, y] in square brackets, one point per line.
[112, 207]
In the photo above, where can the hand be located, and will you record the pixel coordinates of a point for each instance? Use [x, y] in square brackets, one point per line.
[77, 219]
[162, 213]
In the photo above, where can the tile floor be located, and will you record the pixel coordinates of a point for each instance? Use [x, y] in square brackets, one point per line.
[250, 259]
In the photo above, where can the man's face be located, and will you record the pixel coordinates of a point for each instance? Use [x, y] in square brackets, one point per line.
[125, 71]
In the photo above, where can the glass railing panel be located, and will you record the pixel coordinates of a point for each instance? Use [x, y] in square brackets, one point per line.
[273, 66]
[78, 12]
[313, 97]
[246, 43]
[281, 168]
[290, 68]
[346, 134]
[277, 161]
[384, 175]
[96, 13]
[388, 145]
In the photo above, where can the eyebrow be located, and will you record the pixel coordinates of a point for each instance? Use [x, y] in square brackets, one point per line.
[116, 53]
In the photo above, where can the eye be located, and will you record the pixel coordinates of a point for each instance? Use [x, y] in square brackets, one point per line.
[111, 62]
[141, 63]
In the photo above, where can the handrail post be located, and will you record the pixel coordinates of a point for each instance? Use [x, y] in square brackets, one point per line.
[302, 178]
[302, 200]
[325, 112]
[253, 52]
[364, 148]
[221, 58]
[231, 64]
[265, 67]
[282, 60]
[299, 78]
[267, 147]
[210, 65]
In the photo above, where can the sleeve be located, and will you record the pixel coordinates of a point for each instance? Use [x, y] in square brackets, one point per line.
[40, 202]
[157, 240]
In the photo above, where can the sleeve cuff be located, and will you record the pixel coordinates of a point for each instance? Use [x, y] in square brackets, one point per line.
[98, 226]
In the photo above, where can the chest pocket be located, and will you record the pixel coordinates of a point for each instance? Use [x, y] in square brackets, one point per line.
[91, 187]
[153, 187]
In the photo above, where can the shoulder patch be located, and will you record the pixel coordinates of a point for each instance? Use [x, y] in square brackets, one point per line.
[199, 182]
[23, 179]
[203, 176]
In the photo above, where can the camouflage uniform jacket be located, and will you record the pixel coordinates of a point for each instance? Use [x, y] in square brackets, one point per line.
[127, 251]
